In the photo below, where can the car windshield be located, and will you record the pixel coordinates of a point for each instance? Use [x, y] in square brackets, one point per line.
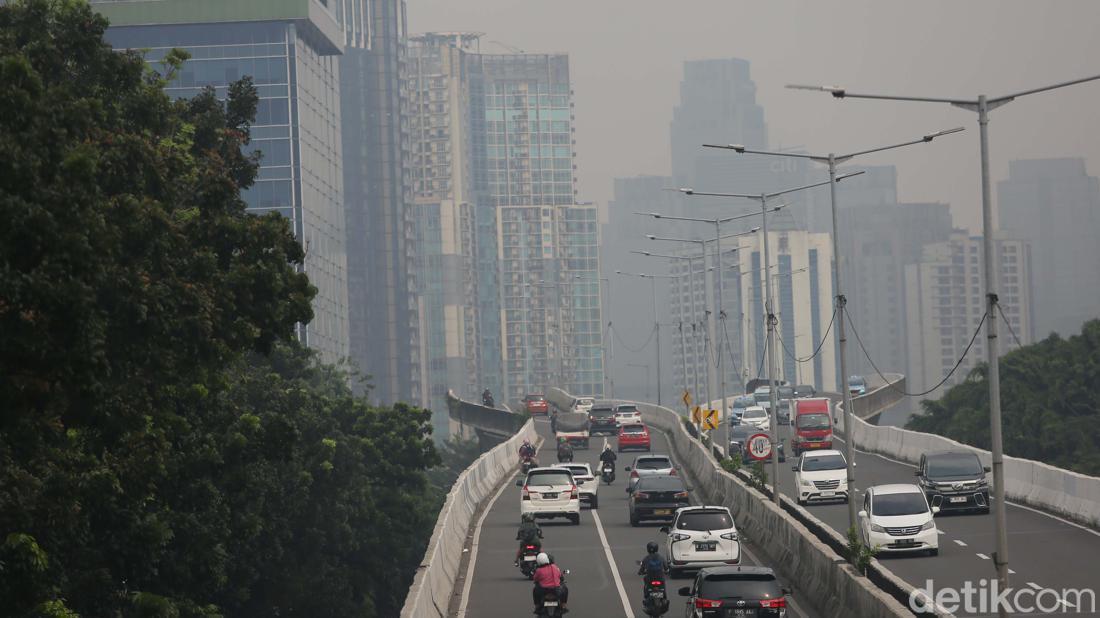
[823, 462]
[785, 392]
[740, 434]
[633, 429]
[857, 382]
[754, 413]
[740, 586]
[761, 397]
[813, 421]
[899, 504]
[743, 402]
[803, 390]
[578, 471]
[653, 464]
[956, 465]
[704, 520]
[549, 478]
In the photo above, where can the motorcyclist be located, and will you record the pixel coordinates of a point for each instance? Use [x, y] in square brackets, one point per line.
[529, 533]
[526, 450]
[554, 421]
[487, 398]
[608, 456]
[548, 576]
[653, 567]
[565, 450]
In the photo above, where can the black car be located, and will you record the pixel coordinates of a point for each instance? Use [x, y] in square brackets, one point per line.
[739, 437]
[954, 480]
[657, 497]
[721, 592]
[601, 419]
[804, 390]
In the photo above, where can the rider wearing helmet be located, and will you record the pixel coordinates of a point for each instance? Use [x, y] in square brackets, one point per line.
[608, 456]
[548, 576]
[565, 450]
[526, 449]
[529, 533]
[653, 567]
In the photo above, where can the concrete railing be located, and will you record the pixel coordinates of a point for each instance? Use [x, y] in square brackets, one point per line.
[433, 587]
[1068, 494]
[874, 402]
[502, 422]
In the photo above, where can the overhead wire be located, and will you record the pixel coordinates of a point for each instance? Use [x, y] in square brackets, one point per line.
[1004, 318]
[817, 350]
[619, 338]
[890, 384]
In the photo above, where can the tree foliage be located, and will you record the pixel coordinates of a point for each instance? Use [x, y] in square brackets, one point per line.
[1049, 399]
[166, 447]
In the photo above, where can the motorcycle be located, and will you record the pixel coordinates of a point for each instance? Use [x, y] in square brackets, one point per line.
[527, 560]
[528, 463]
[607, 472]
[551, 603]
[656, 597]
[565, 456]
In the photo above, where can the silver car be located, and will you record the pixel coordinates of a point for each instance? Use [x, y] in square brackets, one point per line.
[649, 465]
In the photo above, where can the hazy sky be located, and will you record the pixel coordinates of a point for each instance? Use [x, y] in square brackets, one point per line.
[626, 62]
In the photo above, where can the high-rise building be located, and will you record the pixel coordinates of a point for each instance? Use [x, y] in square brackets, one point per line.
[385, 339]
[802, 288]
[442, 83]
[945, 295]
[548, 248]
[291, 51]
[1055, 204]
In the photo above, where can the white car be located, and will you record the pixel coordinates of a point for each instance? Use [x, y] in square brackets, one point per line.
[897, 518]
[756, 416]
[821, 475]
[550, 492]
[649, 465]
[627, 414]
[701, 536]
[583, 404]
[586, 481]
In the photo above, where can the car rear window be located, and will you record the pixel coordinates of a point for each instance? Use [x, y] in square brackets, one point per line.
[660, 483]
[601, 412]
[549, 478]
[704, 520]
[579, 471]
[740, 585]
[633, 429]
[628, 407]
[655, 463]
[754, 414]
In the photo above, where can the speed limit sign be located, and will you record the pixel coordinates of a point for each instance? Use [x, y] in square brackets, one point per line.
[760, 447]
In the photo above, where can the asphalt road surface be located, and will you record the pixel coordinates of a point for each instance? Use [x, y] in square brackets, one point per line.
[601, 554]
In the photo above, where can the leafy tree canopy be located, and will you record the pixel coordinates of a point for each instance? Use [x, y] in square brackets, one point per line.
[1050, 403]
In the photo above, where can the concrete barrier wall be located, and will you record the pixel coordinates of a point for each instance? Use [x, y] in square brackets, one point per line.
[1068, 494]
[433, 586]
[822, 578]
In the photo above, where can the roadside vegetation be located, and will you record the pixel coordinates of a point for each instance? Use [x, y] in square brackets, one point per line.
[1050, 399]
[167, 448]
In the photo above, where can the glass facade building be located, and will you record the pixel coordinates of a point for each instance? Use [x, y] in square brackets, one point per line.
[293, 62]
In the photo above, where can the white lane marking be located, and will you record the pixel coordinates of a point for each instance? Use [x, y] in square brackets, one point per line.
[1035, 586]
[611, 563]
[940, 531]
[983, 556]
[1010, 502]
[960, 543]
[473, 550]
[1011, 572]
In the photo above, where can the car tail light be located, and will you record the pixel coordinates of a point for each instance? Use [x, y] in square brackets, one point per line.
[526, 493]
[641, 495]
[529, 547]
[707, 604]
[672, 472]
[773, 603]
[729, 536]
[656, 583]
[573, 492]
[633, 474]
[680, 494]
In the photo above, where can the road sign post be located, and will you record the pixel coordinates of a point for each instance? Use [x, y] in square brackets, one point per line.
[760, 447]
[711, 420]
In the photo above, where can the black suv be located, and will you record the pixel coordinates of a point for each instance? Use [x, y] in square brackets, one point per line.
[601, 419]
[657, 497]
[954, 480]
[718, 592]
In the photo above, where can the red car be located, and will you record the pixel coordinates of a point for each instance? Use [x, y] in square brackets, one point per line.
[536, 404]
[634, 436]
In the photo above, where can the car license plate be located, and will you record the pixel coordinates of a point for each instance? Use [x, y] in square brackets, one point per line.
[828, 494]
[657, 594]
[706, 546]
[740, 612]
[662, 511]
[550, 604]
[958, 499]
[907, 542]
[529, 558]
[549, 496]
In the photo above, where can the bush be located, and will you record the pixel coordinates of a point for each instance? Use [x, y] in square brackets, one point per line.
[859, 555]
[732, 464]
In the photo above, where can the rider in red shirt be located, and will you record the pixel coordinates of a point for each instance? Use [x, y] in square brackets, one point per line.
[548, 577]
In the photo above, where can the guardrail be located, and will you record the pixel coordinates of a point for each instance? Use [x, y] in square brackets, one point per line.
[433, 587]
[1067, 494]
[873, 403]
[502, 422]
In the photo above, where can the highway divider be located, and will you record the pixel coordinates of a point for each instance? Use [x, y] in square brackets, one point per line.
[1045, 487]
[433, 587]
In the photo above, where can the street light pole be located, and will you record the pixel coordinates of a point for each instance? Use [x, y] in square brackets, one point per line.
[657, 327]
[982, 105]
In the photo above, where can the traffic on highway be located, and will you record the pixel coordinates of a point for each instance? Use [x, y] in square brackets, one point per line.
[641, 544]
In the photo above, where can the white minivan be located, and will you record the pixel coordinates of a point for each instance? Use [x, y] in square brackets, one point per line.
[897, 518]
[550, 492]
[701, 536]
[821, 475]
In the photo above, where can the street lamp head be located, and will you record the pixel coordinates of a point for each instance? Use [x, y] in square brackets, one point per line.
[737, 148]
[687, 190]
[651, 236]
[754, 230]
[849, 175]
[836, 91]
[932, 136]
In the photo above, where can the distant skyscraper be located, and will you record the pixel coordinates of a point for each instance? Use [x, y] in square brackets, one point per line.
[384, 335]
[1055, 204]
[292, 55]
[945, 299]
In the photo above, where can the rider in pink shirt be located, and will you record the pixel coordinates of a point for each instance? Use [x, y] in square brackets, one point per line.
[548, 577]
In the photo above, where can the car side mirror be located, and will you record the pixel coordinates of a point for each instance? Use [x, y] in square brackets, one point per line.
[685, 591]
[794, 468]
[565, 572]
[663, 529]
[987, 468]
[627, 469]
[862, 514]
[855, 463]
[519, 482]
[935, 510]
[917, 473]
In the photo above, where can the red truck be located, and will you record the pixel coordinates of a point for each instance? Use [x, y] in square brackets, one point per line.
[813, 425]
